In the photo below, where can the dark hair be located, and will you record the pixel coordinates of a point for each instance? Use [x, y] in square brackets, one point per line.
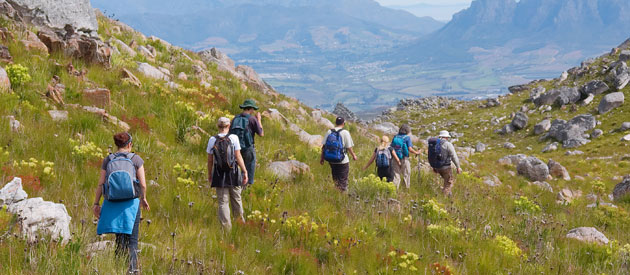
[122, 139]
[340, 121]
[404, 130]
[248, 108]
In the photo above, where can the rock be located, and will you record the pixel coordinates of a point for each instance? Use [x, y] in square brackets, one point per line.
[425, 103]
[5, 83]
[104, 115]
[574, 153]
[285, 104]
[151, 72]
[480, 147]
[571, 132]
[490, 102]
[543, 185]
[558, 171]
[518, 88]
[224, 63]
[559, 97]
[588, 235]
[563, 77]
[287, 170]
[625, 138]
[343, 111]
[37, 217]
[506, 130]
[386, 127]
[622, 189]
[619, 75]
[512, 159]
[588, 100]
[566, 196]
[35, 45]
[182, 76]
[492, 181]
[172, 85]
[161, 41]
[146, 52]
[595, 87]
[5, 55]
[520, 121]
[249, 75]
[14, 124]
[597, 133]
[57, 115]
[624, 127]
[533, 168]
[542, 127]
[12, 192]
[610, 101]
[607, 204]
[536, 93]
[131, 78]
[99, 97]
[124, 48]
[52, 41]
[56, 14]
[624, 56]
[165, 71]
[509, 145]
[551, 147]
[321, 120]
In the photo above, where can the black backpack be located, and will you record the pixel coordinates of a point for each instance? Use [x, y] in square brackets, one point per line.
[240, 129]
[223, 154]
[438, 158]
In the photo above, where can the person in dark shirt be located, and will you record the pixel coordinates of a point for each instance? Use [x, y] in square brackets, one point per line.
[254, 127]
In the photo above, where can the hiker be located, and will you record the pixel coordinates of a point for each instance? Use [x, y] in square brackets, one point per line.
[338, 143]
[246, 126]
[224, 161]
[441, 155]
[403, 146]
[384, 155]
[123, 185]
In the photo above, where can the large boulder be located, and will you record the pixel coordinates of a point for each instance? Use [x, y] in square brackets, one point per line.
[595, 87]
[151, 72]
[588, 235]
[557, 170]
[518, 88]
[610, 101]
[512, 159]
[559, 97]
[288, 169]
[533, 168]
[386, 127]
[58, 115]
[123, 48]
[99, 97]
[619, 75]
[56, 14]
[37, 217]
[5, 55]
[536, 93]
[12, 192]
[224, 63]
[321, 120]
[520, 121]
[343, 111]
[542, 127]
[566, 196]
[571, 133]
[622, 189]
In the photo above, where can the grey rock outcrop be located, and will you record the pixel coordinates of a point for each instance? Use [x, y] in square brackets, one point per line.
[492, 181]
[559, 97]
[57, 115]
[588, 235]
[557, 170]
[506, 130]
[152, 72]
[536, 93]
[5, 83]
[533, 168]
[566, 196]
[509, 145]
[595, 87]
[425, 103]
[123, 48]
[520, 121]
[56, 14]
[12, 192]
[550, 147]
[512, 159]
[542, 127]
[619, 75]
[321, 120]
[386, 127]
[571, 133]
[38, 217]
[518, 88]
[610, 101]
[480, 147]
[624, 127]
[288, 169]
[343, 111]
[622, 189]
[597, 133]
[543, 185]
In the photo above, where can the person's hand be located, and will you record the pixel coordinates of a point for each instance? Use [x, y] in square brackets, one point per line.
[321, 161]
[354, 157]
[145, 204]
[259, 116]
[399, 163]
[459, 170]
[96, 209]
[245, 178]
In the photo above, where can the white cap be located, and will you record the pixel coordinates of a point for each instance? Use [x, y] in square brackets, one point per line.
[444, 134]
[223, 122]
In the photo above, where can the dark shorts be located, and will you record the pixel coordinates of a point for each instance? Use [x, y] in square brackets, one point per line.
[385, 172]
[340, 175]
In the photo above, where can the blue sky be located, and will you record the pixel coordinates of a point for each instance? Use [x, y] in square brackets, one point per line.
[439, 9]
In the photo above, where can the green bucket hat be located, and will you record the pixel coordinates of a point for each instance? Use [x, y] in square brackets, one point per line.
[249, 103]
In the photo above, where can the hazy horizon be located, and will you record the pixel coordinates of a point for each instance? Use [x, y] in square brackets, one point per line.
[441, 10]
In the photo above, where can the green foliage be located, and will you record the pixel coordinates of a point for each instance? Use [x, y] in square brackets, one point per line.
[524, 205]
[18, 75]
[434, 211]
[405, 261]
[508, 246]
[372, 187]
[447, 230]
[86, 150]
[187, 176]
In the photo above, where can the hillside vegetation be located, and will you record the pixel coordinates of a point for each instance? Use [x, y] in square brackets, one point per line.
[300, 225]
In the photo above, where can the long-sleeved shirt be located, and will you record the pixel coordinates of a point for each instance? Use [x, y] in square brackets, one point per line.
[451, 154]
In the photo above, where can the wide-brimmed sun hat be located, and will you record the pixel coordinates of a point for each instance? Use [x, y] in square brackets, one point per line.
[444, 134]
[249, 103]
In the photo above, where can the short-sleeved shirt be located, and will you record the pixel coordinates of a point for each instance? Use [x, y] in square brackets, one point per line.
[233, 139]
[407, 140]
[253, 126]
[347, 143]
[137, 162]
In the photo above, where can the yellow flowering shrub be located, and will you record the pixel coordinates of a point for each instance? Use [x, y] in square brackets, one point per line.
[372, 186]
[508, 246]
[403, 260]
[434, 211]
[87, 150]
[40, 168]
[188, 176]
[524, 205]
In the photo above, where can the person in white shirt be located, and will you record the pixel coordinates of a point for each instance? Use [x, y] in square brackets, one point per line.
[224, 161]
[340, 169]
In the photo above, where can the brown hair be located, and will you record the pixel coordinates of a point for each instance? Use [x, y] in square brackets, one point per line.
[122, 139]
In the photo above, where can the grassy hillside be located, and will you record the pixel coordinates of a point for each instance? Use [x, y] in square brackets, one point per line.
[300, 226]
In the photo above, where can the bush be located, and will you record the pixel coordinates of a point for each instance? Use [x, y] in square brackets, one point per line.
[508, 246]
[372, 187]
[433, 211]
[18, 75]
[524, 205]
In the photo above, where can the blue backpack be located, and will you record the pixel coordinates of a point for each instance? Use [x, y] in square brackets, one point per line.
[239, 128]
[437, 156]
[120, 180]
[334, 150]
[400, 146]
[383, 158]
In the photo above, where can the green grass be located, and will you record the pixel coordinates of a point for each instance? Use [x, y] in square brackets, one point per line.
[340, 233]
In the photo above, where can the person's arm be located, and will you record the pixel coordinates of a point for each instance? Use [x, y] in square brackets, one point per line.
[350, 144]
[143, 188]
[96, 207]
[260, 126]
[321, 156]
[241, 164]
[351, 151]
[454, 158]
[414, 151]
[370, 162]
[210, 166]
[395, 156]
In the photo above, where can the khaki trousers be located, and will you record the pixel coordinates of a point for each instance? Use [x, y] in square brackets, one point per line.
[232, 196]
[402, 171]
[447, 175]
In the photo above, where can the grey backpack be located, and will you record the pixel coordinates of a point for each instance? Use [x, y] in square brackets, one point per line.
[120, 178]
